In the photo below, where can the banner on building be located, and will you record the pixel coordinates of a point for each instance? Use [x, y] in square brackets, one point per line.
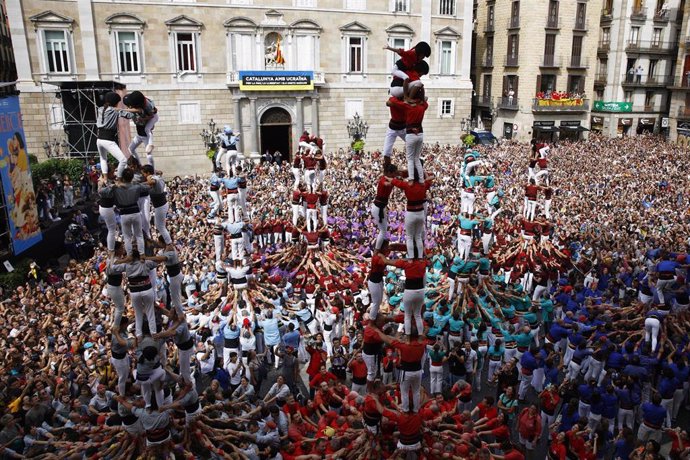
[603, 106]
[15, 173]
[278, 80]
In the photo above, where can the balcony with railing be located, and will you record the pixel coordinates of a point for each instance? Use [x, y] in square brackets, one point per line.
[566, 104]
[511, 61]
[482, 100]
[639, 14]
[603, 47]
[549, 61]
[508, 103]
[601, 79]
[514, 22]
[487, 61]
[647, 81]
[682, 82]
[661, 16]
[581, 25]
[489, 28]
[578, 63]
[683, 113]
[553, 22]
[606, 16]
[650, 47]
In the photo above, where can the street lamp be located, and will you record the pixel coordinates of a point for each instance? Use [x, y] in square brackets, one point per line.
[210, 135]
[210, 138]
[357, 128]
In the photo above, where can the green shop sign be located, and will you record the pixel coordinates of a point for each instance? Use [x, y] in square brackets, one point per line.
[603, 106]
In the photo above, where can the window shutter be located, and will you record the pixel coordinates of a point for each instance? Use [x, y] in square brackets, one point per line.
[505, 86]
[538, 84]
[581, 85]
[515, 85]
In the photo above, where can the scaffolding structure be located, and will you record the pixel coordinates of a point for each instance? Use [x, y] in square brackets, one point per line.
[76, 115]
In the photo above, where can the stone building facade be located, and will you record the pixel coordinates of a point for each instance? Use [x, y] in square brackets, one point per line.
[189, 57]
[533, 67]
[679, 112]
[636, 63]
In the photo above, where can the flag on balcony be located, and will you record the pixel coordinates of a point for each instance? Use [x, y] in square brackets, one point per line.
[280, 60]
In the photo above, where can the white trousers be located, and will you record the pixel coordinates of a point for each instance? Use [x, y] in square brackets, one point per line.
[219, 244]
[296, 173]
[142, 302]
[108, 215]
[467, 202]
[662, 287]
[436, 373]
[414, 233]
[389, 140]
[295, 213]
[217, 203]
[153, 383]
[117, 297]
[159, 214]
[121, 367]
[312, 220]
[380, 216]
[147, 139]
[233, 207]
[184, 358]
[376, 293]
[464, 245]
[237, 248]
[310, 179]
[410, 381]
[413, 300]
[372, 363]
[111, 147]
[176, 292]
[487, 240]
[530, 209]
[413, 152]
[651, 331]
[145, 213]
[131, 229]
[242, 193]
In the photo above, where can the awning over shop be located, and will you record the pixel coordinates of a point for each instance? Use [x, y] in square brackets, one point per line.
[574, 128]
[546, 129]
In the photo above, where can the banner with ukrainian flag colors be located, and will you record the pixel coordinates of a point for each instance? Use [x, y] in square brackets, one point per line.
[276, 80]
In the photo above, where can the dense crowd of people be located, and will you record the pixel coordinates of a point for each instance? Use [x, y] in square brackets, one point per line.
[518, 301]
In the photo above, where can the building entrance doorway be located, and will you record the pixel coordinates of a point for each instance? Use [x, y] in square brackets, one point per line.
[276, 133]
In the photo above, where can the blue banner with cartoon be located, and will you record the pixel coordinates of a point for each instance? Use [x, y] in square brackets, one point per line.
[15, 173]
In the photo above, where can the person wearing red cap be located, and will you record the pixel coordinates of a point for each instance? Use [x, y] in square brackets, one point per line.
[411, 349]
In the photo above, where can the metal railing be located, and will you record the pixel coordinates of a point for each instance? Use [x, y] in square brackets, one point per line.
[560, 105]
[604, 46]
[578, 62]
[661, 16]
[639, 14]
[647, 80]
[509, 103]
[650, 46]
[489, 27]
[553, 22]
[683, 112]
[550, 61]
[511, 61]
[514, 22]
[682, 82]
[487, 60]
[581, 25]
[482, 100]
[601, 79]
